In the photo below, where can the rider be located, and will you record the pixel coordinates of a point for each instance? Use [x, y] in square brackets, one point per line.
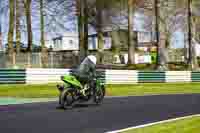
[86, 71]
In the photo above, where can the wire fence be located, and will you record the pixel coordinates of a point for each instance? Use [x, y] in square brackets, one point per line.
[67, 59]
[70, 59]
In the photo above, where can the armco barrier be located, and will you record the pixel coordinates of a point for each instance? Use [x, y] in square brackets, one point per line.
[121, 77]
[178, 76]
[195, 76]
[43, 76]
[151, 77]
[12, 76]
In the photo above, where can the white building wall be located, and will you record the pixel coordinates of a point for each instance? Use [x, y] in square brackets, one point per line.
[70, 43]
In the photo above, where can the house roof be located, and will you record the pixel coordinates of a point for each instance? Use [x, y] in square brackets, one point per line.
[67, 34]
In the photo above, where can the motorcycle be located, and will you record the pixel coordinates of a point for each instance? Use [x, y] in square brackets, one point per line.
[80, 89]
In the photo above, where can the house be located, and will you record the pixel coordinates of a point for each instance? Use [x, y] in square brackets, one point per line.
[23, 47]
[70, 41]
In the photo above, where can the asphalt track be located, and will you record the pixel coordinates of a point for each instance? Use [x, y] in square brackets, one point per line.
[113, 114]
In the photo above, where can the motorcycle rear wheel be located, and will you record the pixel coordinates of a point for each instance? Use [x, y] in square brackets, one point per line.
[99, 96]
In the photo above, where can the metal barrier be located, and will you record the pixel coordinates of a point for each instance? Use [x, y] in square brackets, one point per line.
[121, 77]
[149, 77]
[44, 76]
[12, 76]
[195, 76]
[178, 76]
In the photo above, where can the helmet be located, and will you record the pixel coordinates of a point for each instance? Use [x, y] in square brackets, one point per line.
[93, 59]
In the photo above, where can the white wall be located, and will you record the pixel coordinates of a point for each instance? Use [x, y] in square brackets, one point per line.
[121, 77]
[44, 76]
[178, 76]
[70, 43]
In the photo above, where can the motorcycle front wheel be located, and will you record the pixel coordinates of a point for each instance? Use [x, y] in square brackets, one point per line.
[66, 99]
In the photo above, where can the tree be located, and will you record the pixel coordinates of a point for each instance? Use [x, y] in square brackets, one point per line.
[100, 4]
[11, 27]
[18, 32]
[85, 46]
[189, 32]
[42, 40]
[164, 39]
[195, 22]
[81, 6]
[27, 5]
[164, 18]
[1, 46]
[192, 59]
[157, 29]
[131, 41]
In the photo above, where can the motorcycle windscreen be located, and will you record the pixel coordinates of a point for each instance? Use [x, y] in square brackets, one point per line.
[87, 67]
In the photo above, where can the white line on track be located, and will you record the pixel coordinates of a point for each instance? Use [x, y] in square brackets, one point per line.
[151, 124]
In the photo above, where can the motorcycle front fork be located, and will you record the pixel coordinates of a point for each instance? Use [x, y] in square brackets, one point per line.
[60, 88]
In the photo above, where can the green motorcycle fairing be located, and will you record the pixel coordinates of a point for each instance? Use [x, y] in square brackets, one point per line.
[69, 79]
[99, 84]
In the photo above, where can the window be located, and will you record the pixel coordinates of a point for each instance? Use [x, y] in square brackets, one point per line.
[71, 42]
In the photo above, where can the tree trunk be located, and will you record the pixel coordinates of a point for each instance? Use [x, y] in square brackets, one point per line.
[82, 28]
[195, 36]
[85, 48]
[131, 40]
[192, 60]
[163, 51]
[11, 28]
[1, 46]
[18, 34]
[189, 34]
[42, 38]
[163, 40]
[100, 36]
[157, 29]
[29, 24]
[116, 45]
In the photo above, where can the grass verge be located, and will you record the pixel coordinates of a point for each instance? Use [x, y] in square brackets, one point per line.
[49, 90]
[153, 89]
[188, 125]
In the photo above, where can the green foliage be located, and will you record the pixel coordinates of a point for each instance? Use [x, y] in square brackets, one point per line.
[153, 57]
[144, 67]
[175, 66]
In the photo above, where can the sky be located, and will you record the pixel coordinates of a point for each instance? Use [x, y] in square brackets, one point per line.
[71, 26]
